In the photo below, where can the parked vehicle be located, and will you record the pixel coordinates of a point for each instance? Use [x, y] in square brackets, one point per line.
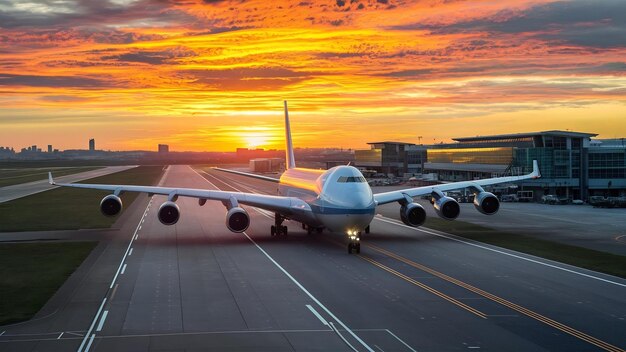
[509, 198]
[597, 201]
[564, 201]
[610, 202]
[549, 199]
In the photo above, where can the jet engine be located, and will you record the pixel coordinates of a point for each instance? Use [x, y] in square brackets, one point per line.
[169, 213]
[447, 208]
[413, 214]
[486, 203]
[111, 205]
[237, 219]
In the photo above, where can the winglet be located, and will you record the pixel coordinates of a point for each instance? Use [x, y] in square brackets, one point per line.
[50, 180]
[290, 160]
[536, 173]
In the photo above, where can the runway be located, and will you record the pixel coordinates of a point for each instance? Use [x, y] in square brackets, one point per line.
[196, 286]
[12, 192]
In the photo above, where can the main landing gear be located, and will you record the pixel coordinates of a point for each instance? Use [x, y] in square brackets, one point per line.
[278, 229]
[354, 242]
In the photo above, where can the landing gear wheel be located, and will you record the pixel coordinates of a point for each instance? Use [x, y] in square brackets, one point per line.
[303, 226]
[278, 229]
[367, 229]
[354, 243]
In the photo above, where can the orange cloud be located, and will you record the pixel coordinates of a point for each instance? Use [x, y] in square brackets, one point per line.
[133, 75]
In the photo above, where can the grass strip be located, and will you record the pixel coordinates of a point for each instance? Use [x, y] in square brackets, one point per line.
[8, 178]
[71, 208]
[30, 273]
[604, 262]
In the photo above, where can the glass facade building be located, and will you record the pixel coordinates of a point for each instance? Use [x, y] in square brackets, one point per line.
[391, 157]
[572, 164]
[489, 155]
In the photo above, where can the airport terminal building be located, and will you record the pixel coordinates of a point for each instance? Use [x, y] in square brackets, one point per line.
[572, 164]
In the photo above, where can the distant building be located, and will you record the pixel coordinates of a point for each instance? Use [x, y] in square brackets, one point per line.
[92, 145]
[49, 148]
[392, 157]
[6, 153]
[572, 164]
[164, 148]
[267, 164]
[245, 154]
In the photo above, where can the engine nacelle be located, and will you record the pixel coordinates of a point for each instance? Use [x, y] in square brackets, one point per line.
[169, 213]
[111, 205]
[413, 214]
[486, 203]
[237, 219]
[447, 208]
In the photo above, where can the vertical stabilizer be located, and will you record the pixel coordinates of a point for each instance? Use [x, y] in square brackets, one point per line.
[289, 159]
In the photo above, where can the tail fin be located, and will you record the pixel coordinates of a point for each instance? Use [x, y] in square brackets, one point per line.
[290, 160]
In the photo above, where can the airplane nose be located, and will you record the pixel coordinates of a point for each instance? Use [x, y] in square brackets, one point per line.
[357, 201]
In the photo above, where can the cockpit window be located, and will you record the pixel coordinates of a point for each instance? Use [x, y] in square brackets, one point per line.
[344, 179]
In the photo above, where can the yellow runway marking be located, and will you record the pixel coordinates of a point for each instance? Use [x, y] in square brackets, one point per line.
[569, 330]
[425, 287]
[555, 324]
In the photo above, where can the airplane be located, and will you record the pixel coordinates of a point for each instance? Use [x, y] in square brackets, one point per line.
[338, 199]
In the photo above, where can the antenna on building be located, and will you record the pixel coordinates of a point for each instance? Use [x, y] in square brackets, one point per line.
[419, 138]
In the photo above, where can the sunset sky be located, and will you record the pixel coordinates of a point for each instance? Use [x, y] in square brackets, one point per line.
[212, 75]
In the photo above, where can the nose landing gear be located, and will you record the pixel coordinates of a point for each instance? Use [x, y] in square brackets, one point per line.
[354, 243]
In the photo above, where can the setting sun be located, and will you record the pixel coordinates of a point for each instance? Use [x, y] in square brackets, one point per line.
[254, 140]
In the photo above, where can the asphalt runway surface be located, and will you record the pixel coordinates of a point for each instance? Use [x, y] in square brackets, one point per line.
[12, 192]
[601, 229]
[196, 286]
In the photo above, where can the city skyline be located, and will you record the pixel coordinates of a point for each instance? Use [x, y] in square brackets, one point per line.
[211, 75]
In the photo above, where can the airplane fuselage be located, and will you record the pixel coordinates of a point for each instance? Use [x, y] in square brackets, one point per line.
[340, 199]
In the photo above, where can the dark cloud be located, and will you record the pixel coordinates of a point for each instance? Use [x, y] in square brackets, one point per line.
[160, 57]
[607, 68]
[519, 69]
[44, 38]
[71, 63]
[62, 98]
[409, 73]
[583, 22]
[87, 13]
[52, 81]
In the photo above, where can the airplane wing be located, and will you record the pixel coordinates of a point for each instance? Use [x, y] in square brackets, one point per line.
[394, 196]
[283, 205]
[247, 174]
